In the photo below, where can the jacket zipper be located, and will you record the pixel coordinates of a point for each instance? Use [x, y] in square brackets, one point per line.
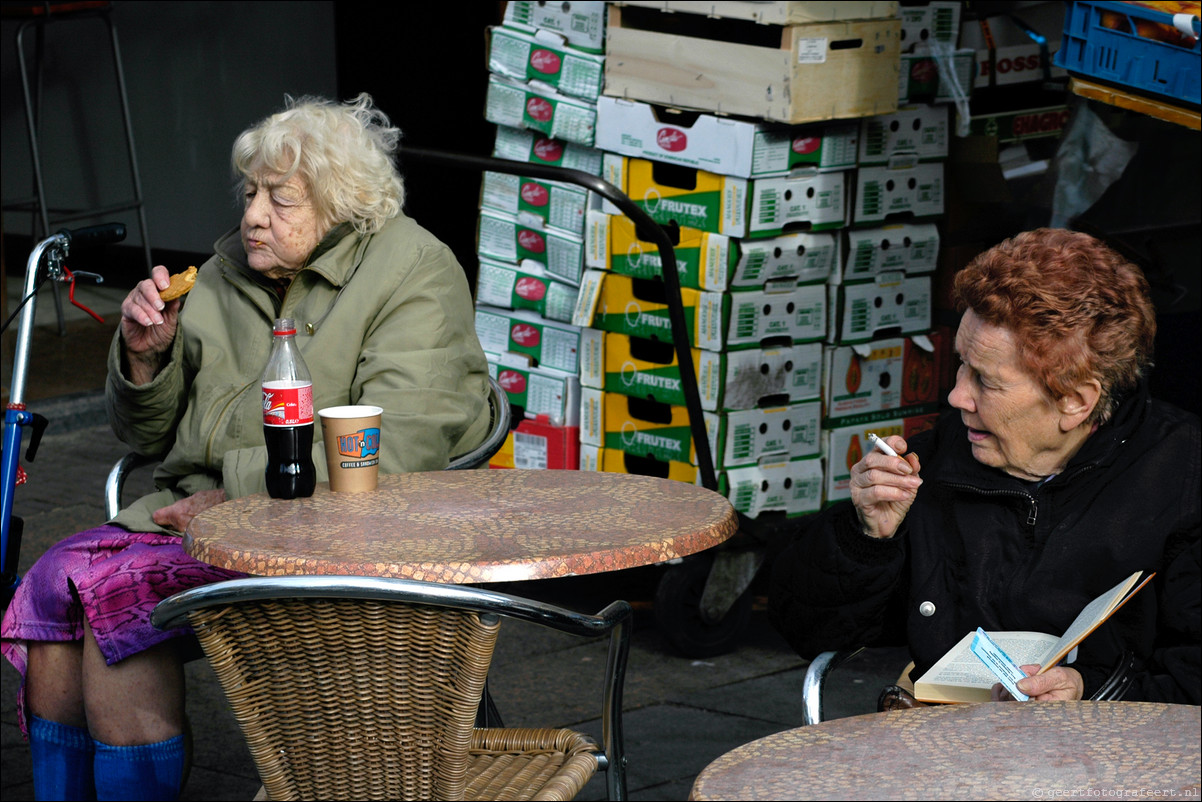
[1032, 502]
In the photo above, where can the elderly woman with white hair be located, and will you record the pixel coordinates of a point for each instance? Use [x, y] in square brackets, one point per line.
[384, 316]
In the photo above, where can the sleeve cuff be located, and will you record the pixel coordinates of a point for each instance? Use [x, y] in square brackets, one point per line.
[852, 541]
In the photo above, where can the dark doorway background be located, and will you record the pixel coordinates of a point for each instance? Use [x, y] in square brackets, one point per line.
[424, 63]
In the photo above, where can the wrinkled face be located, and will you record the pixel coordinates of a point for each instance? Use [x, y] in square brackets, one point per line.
[1013, 424]
[280, 225]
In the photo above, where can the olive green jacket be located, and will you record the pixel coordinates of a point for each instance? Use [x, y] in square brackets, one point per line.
[383, 319]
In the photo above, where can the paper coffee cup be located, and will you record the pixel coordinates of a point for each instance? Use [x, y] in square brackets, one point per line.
[352, 439]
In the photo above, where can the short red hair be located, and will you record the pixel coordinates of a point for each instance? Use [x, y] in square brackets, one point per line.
[1077, 308]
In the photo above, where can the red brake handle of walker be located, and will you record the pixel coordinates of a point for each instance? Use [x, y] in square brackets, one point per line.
[71, 295]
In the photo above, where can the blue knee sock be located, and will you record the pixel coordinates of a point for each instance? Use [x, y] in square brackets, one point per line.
[142, 772]
[62, 760]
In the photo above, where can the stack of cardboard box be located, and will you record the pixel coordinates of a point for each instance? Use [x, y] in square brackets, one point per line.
[545, 74]
[740, 133]
[803, 220]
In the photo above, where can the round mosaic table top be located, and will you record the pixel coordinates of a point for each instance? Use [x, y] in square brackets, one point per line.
[1014, 750]
[467, 527]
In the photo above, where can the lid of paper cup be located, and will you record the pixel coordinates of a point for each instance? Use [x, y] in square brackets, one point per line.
[351, 411]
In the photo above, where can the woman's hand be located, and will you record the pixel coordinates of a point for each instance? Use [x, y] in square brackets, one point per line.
[148, 326]
[180, 514]
[1059, 684]
[884, 487]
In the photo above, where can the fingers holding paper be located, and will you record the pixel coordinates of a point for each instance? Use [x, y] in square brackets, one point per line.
[1059, 684]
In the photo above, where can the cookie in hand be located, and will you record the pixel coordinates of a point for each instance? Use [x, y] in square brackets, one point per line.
[180, 284]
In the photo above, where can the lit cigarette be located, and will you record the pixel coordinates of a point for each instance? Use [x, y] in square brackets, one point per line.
[881, 445]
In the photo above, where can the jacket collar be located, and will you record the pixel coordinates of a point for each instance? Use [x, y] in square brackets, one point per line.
[955, 464]
[335, 258]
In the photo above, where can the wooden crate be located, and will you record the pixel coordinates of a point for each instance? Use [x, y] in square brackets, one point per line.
[792, 12]
[783, 73]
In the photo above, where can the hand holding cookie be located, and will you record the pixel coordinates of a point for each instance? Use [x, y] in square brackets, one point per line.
[148, 320]
[181, 283]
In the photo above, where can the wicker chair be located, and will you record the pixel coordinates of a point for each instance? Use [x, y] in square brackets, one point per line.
[350, 687]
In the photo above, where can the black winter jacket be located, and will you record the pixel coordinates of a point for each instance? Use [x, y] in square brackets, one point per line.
[989, 550]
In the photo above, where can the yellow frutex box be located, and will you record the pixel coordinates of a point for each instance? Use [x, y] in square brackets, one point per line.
[703, 260]
[647, 428]
[762, 207]
[714, 321]
[709, 261]
[635, 425]
[686, 196]
[727, 380]
[610, 460]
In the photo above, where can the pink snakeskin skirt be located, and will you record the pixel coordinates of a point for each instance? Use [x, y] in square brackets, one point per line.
[112, 576]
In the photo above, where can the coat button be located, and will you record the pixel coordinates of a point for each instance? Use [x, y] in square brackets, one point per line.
[927, 609]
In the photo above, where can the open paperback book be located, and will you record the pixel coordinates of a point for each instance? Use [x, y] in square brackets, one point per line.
[960, 676]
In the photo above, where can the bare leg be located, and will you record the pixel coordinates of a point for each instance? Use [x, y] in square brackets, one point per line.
[54, 682]
[139, 700]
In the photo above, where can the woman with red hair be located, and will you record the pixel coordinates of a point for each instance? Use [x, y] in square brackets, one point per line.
[1053, 477]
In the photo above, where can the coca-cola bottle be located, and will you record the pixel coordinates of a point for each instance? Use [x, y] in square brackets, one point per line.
[288, 417]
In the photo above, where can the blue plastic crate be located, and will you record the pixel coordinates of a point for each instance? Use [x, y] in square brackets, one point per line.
[1124, 58]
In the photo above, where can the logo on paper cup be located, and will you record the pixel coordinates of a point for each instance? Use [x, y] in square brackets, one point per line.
[539, 109]
[535, 194]
[548, 150]
[525, 334]
[806, 144]
[545, 62]
[530, 288]
[512, 381]
[671, 139]
[531, 241]
[359, 445]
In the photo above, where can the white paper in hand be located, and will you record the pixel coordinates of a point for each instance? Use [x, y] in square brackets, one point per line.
[999, 663]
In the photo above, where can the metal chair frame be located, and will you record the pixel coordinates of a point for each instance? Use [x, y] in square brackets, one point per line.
[814, 682]
[613, 621]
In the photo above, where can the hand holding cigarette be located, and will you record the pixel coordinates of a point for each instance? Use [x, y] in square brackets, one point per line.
[884, 486]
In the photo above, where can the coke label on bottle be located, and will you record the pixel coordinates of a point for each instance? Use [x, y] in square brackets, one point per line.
[287, 403]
